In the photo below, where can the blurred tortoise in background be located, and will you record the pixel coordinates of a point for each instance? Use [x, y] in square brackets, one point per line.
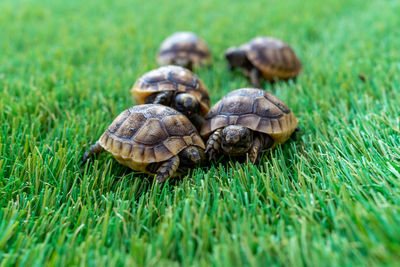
[264, 57]
[154, 139]
[184, 49]
[249, 121]
[175, 87]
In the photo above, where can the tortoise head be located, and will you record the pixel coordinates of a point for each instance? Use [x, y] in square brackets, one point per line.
[183, 62]
[190, 157]
[187, 104]
[236, 57]
[236, 139]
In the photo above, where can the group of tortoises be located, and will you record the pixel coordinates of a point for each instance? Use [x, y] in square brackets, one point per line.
[164, 134]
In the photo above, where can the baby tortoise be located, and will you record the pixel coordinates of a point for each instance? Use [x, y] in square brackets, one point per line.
[175, 87]
[264, 57]
[184, 49]
[247, 121]
[154, 139]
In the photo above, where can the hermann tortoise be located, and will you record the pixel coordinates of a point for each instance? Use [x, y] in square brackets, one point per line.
[175, 87]
[245, 121]
[264, 57]
[154, 139]
[184, 49]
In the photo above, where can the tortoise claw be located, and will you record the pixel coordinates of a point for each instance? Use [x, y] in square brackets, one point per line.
[85, 157]
[94, 149]
[212, 156]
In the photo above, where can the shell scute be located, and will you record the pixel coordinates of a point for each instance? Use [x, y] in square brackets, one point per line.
[177, 126]
[237, 105]
[151, 132]
[130, 126]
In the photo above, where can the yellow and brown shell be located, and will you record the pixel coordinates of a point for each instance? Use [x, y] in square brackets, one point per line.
[147, 134]
[184, 45]
[273, 58]
[171, 78]
[255, 109]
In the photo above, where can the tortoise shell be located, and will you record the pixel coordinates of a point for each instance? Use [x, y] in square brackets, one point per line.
[273, 58]
[255, 109]
[149, 133]
[184, 45]
[171, 78]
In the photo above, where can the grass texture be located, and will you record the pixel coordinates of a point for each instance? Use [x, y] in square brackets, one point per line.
[331, 198]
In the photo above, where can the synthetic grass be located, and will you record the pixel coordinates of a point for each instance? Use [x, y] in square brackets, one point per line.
[329, 198]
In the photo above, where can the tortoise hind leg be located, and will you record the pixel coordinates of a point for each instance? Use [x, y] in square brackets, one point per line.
[255, 77]
[296, 133]
[94, 149]
[163, 98]
[167, 169]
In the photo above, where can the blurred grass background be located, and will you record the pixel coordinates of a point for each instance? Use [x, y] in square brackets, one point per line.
[329, 199]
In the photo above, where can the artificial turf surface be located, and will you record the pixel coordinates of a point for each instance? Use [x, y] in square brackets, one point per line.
[330, 198]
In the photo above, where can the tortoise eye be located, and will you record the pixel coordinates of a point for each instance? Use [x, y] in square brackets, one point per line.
[178, 102]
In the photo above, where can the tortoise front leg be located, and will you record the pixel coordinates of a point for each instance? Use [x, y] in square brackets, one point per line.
[167, 169]
[214, 144]
[163, 98]
[260, 143]
[255, 77]
[230, 67]
[94, 149]
[189, 65]
[255, 149]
